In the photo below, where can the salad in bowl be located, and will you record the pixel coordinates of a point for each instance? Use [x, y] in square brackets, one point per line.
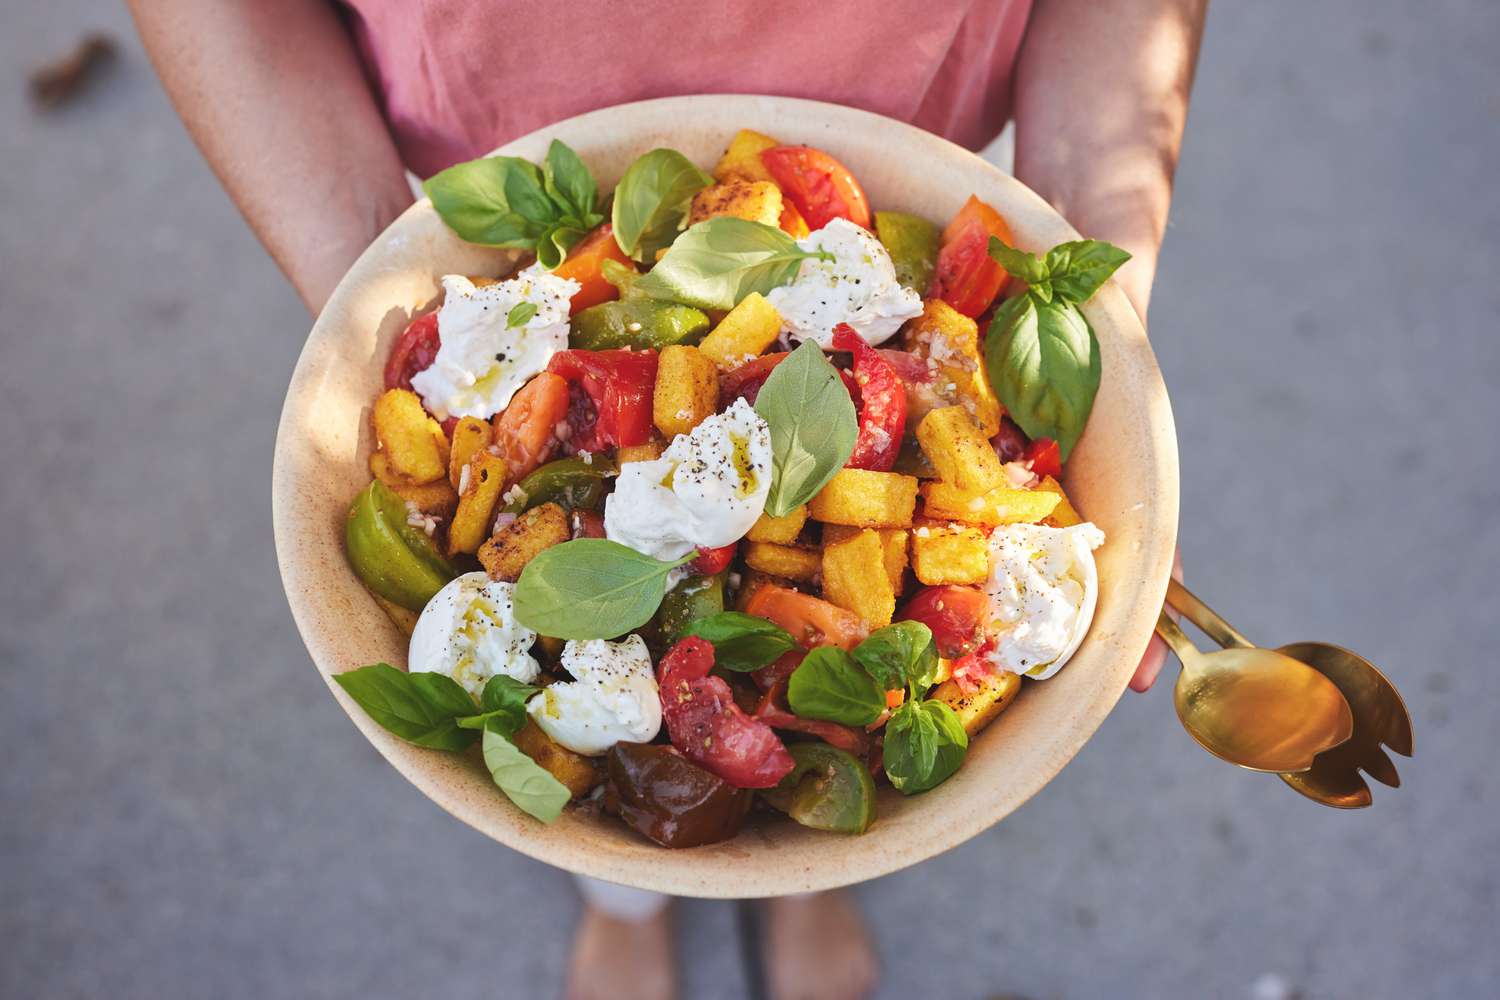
[739, 494]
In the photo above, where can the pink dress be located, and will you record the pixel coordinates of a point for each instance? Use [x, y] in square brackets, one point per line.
[456, 78]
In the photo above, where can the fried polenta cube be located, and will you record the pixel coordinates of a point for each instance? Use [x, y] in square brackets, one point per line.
[979, 708]
[687, 389]
[949, 552]
[959, 451]
[779, 530]
[946, 502]
[1064, 515]
[745, 331]
[790, 561]
[950, 340]
[579, 774]
[469, 435]
[414, 444]
[866, 499]
[513, 546]
[753, 201]
[479, 493]
[855, 578]
[646, 452]
[741, 161]
[893, 540]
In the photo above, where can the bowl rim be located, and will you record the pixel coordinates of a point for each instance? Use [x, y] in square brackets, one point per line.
[691, 872]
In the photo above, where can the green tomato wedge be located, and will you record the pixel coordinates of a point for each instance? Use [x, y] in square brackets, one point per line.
[395, 560]
[829, 789]
[694, 598]
[570, 482]
[636, 323]
[912, 242]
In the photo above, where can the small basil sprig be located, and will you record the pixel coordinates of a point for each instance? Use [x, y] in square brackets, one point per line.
[828, 684]
[652, 201]
[505, 201]
[432, 710]
[591, 588]
[899, 656]
[1041, 353]
[924, 744]
[813, 426]
[719, 261]
[742, 642]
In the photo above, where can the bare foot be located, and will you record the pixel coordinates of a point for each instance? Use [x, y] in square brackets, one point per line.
[817, 948]
[621, 959]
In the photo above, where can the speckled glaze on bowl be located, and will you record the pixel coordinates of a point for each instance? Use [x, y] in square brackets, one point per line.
[1123, 476]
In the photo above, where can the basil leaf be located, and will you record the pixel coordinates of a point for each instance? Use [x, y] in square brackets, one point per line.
[553, 245]
[421, 708]
[652, 202]
[828, 684]
[742, 642]
[813, 426]
[524, 781]
[493, 201]
[1078, 269]
[1043, 362]
[1027, 267]
[899, 655]
[520, 314]
[503, 702]
[570, 185]
[924, 744]
[591, 588]
[719, 261]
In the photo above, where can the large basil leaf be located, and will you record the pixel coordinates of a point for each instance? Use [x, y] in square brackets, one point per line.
[421, 708]
[924, 744]
[525, 782]
[493, 201]
[1043, 362]
[828, 684]
[570, 185]
[591, 588]
[502, 705]
[719, 261]
[813, 426]
[899, 655]
[652, 201]
[742, 642]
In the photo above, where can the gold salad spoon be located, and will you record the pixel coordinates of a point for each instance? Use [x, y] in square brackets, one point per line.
[1380, 716]
[1254, 707]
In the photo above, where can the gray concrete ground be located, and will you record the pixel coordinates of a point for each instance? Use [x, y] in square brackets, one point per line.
[183, 812]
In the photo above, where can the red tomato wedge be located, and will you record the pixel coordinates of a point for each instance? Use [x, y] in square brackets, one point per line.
[412, 352]
[584, 265]
[526, 430]
[619, 385]
[1045, 457]
[967, 277]
[882, 403]
[791, 222]
[711, 561]
[955, 614]
[819, 187]
[708, 728]
[810, 620]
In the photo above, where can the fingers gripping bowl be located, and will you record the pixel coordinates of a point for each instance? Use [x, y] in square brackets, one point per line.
[1122, 475]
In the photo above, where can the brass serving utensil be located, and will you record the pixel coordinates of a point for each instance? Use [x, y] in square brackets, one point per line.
[1254, 707]
[1380, 716]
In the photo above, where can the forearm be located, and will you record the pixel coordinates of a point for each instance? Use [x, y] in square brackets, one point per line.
[1101, 100]
[273, 94]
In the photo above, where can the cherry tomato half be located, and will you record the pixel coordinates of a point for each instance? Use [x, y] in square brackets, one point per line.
[413, 351]
[819, 187]
[1045, 457]
[955, 614]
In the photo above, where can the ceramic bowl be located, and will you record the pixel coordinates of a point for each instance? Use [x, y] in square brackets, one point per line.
[1123, 476]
